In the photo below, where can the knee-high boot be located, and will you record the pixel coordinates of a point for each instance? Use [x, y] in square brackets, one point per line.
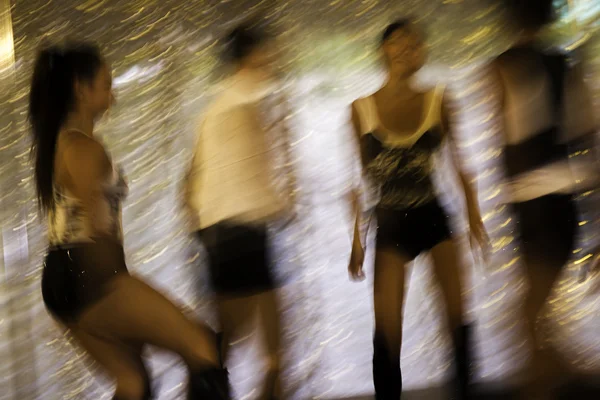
[209, 384]
[387, 376]
[463, 362]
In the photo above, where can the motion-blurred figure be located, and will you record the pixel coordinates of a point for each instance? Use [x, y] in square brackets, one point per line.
[399, 130]
[232, 192]
[85, 282]
[546, 107]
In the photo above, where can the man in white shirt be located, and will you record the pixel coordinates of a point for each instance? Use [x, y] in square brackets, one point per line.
[234, 191]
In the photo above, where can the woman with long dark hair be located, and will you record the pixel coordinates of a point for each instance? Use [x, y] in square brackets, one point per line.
[399, 130]
[85, 282]
[545, 108]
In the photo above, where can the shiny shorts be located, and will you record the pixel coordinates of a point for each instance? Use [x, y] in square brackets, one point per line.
[412, 231]
[77, 276]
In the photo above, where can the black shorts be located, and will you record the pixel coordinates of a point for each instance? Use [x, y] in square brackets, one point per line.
[238, 257]
[412, 231]
[548, 229]
[77, 276]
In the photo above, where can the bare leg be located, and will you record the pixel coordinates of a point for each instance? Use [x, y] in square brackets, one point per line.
[132, 311]
[122, 362]
[388, 302]
[236, 315]
[268, 308]
[449, 275]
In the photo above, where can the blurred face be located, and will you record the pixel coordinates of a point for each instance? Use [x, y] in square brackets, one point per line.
[404, 51]
[262, 59]
[97, 95]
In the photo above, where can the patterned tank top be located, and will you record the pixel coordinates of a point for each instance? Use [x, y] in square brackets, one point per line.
[68, 222]
[399, 168]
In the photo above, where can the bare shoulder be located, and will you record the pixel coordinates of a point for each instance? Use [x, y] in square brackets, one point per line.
[498, 65]
[358, 105]
[84, 155]
[355, 116]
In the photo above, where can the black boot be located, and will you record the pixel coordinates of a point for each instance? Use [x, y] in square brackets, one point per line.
[387, 377]
[463, 363]
[209, 384]
[219, 337]
[272, 389]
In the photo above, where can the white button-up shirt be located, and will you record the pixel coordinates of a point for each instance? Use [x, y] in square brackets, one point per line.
[241, 156]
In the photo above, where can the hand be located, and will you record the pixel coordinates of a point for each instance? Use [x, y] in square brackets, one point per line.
[479, 239]
[357, 259]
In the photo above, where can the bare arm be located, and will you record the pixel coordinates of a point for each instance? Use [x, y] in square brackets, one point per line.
[89, 168]
[354, 195]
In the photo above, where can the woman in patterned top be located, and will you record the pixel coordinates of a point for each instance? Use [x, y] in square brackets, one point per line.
[399, 130]
[85, 283]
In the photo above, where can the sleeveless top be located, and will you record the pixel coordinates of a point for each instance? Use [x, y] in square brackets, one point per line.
[68, 222]
[400, 167]
[544, 147]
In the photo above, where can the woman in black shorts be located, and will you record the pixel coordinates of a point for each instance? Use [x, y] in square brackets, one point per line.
[546, 108]
[399, 130]
[85, 282]
[232, 195]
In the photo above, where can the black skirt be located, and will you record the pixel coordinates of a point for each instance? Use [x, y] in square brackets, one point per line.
[238, 256]
[412, 231]
[76, 276]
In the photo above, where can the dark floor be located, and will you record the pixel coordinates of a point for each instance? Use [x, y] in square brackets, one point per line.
[590, 390]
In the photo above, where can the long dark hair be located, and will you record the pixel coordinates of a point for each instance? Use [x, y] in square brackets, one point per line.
[397, 25]
[52, 97]
[531, 14]
[243, 40]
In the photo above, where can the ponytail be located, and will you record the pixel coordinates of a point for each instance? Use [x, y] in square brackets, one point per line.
[52, 97]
